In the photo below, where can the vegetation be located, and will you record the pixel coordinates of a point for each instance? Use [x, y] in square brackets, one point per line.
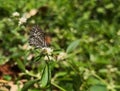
[83, 52]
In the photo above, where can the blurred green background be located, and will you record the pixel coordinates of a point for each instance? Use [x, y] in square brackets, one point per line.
[87, 31]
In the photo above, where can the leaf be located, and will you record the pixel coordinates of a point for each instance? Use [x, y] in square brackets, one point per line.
[7, 77]
[28, 85]
[98, 87]
[49, 74]
[37, 59]
[72, 46]
[45, 76]
[21, 65]
[59, 74]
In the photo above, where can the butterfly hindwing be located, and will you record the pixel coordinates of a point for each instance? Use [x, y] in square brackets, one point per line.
[37, 37]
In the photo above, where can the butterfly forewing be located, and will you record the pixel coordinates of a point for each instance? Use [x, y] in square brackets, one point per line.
[37, 37]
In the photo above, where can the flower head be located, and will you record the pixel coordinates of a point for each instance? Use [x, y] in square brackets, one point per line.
[61, 56]
[15, 14]
[111, 86]
[22, 20]
[47, 50]
[118, 33]
[32, 12]
[86, 74]
[48, 58]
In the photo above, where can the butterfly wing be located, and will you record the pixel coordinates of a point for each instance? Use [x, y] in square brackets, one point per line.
[37, 37]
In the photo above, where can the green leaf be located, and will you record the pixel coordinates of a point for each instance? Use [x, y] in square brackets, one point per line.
[45, 76]
[28, 85]
[37, 59]
[7, 77]
[101, 10]
[49, 74]
[59, 74]
[35, 90]
[98, 88]
[21, 65]
[109, 6]
[72, 46]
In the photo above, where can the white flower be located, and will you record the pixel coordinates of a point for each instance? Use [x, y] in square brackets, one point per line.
[91, 39]
[48, 58]
[22, 20]
[86, 74]
[111, 86]
[32, 12]
[15, 14]
[113, 69]
[47, 50]
[118, 33]
[30, 57]
[61, 56]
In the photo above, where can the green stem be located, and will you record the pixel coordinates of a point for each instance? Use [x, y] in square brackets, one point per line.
[33, 75]
[49, 72]
[100, 78]
[58, 86]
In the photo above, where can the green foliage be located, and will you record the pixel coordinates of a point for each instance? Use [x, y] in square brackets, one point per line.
[72, 46]
[7, 77]
[85, 38]
[28, 85]
[98, 88]
[45, 76]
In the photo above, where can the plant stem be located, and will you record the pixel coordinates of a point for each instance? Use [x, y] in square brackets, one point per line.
[49, 72]
[58, 86]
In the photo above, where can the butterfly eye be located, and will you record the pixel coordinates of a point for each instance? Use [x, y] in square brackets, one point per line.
[37, 37]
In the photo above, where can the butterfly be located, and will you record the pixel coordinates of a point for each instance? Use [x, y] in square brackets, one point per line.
[37, 37]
